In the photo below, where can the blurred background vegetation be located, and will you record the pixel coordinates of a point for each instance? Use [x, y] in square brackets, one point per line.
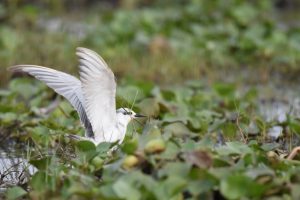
[161, 41]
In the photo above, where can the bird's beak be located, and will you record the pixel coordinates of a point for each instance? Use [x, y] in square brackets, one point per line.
[139, 115]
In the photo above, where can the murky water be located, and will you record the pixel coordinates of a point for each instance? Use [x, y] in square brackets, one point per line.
[14, 170]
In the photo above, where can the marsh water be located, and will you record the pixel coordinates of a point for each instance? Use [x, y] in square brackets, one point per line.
[14, 169]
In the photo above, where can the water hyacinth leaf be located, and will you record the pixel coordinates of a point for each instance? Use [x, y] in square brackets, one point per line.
[295, 126]
[173, 185]
[295, 190]
[202, 181]
[216, 124]
[103, 147]
[108, 192]
[189, 145]
[175, 168]
[234, 148]
[149, 107]
[147, 181]
[229, 130]
[38, 181]
[270, 146]
[125, 190]
[198, 187]
[24, 87]
[130, 146]
[237, 186]
[183, 94]
[261, 170]
[85, 146]
[40, 134]
[41, 164]
[171, 151]
[150, 132]
[177, 129]
[244, 14]
[80, 190]
[15, 193]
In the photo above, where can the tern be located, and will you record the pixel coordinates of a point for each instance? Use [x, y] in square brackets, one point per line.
[93, 96]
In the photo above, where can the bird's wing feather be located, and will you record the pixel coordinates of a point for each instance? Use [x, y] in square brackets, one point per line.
[99, 89]
[64, 84]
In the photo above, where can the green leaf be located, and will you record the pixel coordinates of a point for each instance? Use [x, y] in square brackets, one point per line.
[229, 130]
[232, 148]
[24, 87]
[295, 126]
[130, 146]
[41, 164]
[104, 147]
[125, 190]
[270, 146]
[175, 168]
[149, 107]
[172, 186]
[238, 186]
[261, 170]
[15, 193]
[177, 128]
[85, 146]
[108, 191]
[40, 134]
[38, 181]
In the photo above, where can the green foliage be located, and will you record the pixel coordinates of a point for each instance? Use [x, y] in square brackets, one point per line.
[176, 154]
[15, 193]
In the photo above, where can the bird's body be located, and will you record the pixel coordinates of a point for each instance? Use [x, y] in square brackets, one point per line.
[93, 96]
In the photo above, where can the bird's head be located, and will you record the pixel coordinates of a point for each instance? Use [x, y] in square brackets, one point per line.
[125, 115]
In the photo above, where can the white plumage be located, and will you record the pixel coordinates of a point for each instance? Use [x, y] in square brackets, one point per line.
[93, 96]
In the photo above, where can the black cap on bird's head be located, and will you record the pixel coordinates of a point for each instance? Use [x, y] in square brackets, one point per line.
[129, 112]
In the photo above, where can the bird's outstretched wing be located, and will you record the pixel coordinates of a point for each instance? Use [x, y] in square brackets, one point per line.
[64, 84]
[99, 89]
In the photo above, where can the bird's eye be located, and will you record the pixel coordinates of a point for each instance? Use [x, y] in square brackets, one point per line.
[128, 113]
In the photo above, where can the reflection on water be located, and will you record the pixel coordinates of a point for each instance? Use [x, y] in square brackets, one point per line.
[278, 102]
[14, 170]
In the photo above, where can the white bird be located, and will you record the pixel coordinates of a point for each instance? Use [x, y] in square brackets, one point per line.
[93, 96]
